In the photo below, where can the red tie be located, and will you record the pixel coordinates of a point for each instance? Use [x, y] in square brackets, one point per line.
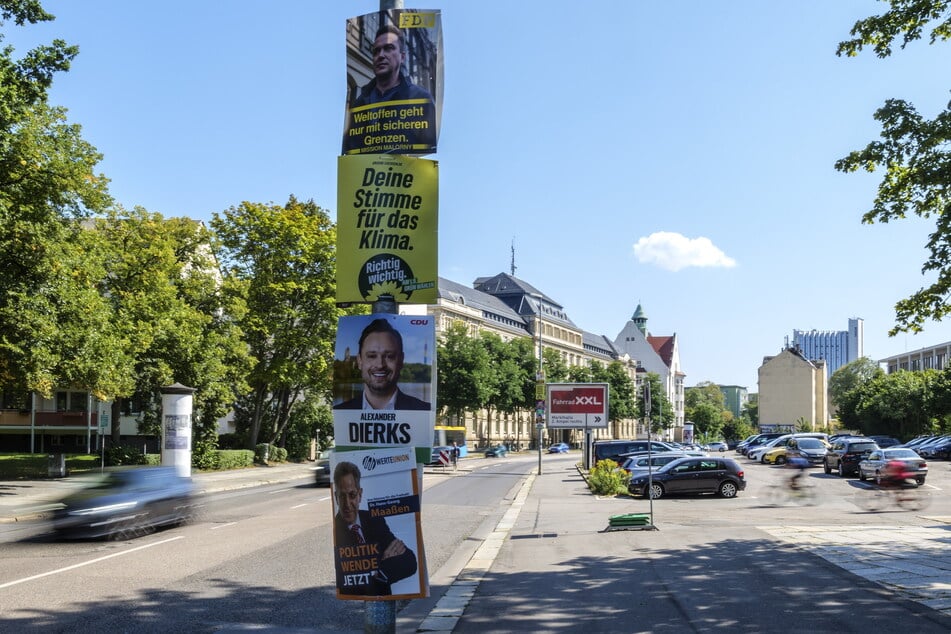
[357, 535]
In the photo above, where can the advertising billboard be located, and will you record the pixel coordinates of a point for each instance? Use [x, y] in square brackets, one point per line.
[577, 405]
[387, 224]
[394, 82]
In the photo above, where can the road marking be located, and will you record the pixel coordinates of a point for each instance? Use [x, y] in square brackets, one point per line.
[86, 563]
[279, 491]
[214, 528]
[300, 505]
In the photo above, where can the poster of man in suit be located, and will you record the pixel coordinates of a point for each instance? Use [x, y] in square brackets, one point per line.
[378, 546]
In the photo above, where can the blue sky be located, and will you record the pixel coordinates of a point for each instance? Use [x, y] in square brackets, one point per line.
[675, 154]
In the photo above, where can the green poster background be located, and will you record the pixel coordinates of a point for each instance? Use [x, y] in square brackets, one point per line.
[387, 211]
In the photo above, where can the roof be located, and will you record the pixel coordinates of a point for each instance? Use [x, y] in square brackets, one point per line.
[664, 347]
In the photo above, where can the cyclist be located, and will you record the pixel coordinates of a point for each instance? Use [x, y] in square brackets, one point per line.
[897, 475]
[798, 463]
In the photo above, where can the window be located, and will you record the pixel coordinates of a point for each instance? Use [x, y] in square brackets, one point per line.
[61, 401]
[77, 401]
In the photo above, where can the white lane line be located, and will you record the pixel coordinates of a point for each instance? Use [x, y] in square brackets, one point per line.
[279, 491]
[86, 563]
[300, 505]
[214, 528]
[324, 498]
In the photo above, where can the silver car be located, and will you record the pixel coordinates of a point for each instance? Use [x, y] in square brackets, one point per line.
[873, 466]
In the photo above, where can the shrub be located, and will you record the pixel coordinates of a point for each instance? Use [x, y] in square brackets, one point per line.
[235, 458]
[607, 478]
[118, 455]
[274, 453]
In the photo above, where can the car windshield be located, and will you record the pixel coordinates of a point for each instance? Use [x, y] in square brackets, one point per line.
[810, 443]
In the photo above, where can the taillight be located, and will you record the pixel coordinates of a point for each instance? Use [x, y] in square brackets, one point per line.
[923, 465]
[739, 474]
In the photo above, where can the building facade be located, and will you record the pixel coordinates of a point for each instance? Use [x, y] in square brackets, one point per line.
[836, 348]
[930, 358]
[735, 397]
[792, 389]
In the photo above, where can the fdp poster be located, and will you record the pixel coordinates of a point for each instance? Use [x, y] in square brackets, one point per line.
[378, 539]
[387, 227]
[394, 82]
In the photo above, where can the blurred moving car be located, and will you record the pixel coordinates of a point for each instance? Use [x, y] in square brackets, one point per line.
[322, 475]
[558, 448]
[713, 474]
[125, 503]
[497, 452]
[874, 465]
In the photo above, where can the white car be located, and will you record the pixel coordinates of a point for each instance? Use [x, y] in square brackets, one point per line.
[757, 454]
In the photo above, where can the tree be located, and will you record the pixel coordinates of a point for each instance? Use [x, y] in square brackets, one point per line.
[914, 152]
[47, 185]
[463, 380]
[897, 404]
[622, 392]
[661, 412]
[848, 378]
[279, 265]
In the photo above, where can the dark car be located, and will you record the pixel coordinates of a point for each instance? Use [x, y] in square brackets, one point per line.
[615, 449]
[723, 476]
[846, 453]
[126, 503]
[940, 450]
[759, 441]
[497, 452]
[885, 441]
[322, 473]
[812, 449]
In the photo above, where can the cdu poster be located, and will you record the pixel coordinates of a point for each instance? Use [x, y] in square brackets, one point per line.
[387, 210]
[394, 82]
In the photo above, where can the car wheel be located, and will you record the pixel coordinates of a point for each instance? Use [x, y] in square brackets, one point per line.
[763, 459]
[728, 489]
[656, 491]
[825, 467]
[841, 470]
[920, 481]
[878, 477]
[780, 459]
[862, 475]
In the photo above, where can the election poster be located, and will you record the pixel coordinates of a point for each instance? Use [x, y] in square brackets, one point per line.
[387, 227]
[378, 540]
[384, 381]
[394, 82]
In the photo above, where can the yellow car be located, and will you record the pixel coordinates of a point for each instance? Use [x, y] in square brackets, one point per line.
[775, 456]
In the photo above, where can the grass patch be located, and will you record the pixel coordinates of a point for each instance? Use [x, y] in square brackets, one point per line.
[33, 466]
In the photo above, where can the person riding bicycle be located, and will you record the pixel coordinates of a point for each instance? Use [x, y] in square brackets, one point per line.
[897, 474]
[799, 464]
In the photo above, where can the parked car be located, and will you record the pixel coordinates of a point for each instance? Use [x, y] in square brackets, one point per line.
[927, 448]
[756, 453]
[716, 446]
[322, 474]
[759, 441]
[499, 451]
[777, 455]
[940, 450]
[811, 448]
[711, 474]
[614, 449]
[873, 465]
[885, 441]
[560, 447]
[126, 502]
[640, 462]
[846, 453]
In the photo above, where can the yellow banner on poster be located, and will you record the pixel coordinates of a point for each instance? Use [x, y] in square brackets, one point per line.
[387, 212]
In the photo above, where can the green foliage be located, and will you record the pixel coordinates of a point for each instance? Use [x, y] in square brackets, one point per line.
[915, 153]
[35, 466]
[119, 455]
[265, 453]
[465, 379]
[310, 419]
[622, 393]
[662, 412]
[738, 429]
[607, 478]
[279, 273]
[235, 458]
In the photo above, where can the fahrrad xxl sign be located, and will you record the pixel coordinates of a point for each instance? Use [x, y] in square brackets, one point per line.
[577, 405]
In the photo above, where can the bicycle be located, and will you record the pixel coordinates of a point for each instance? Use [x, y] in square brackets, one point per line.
[906, 498]
[784, 495]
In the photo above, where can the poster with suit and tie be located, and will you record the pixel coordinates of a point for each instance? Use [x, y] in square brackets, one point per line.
[378, 542]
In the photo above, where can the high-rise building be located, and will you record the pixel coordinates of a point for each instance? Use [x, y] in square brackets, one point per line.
[836, 348]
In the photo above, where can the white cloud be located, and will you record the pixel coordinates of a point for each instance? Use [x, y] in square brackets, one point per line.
[673, 252]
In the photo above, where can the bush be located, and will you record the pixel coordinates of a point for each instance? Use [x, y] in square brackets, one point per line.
[274, 453]
[607, 478]
[235, 458]
[119, 455]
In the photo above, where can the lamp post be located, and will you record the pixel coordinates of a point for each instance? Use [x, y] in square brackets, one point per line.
[540, 388]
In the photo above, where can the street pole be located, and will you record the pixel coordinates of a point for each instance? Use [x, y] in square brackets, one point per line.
[540, 377]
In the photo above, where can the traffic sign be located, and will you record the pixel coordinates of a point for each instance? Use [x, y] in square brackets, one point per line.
[577, 405]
